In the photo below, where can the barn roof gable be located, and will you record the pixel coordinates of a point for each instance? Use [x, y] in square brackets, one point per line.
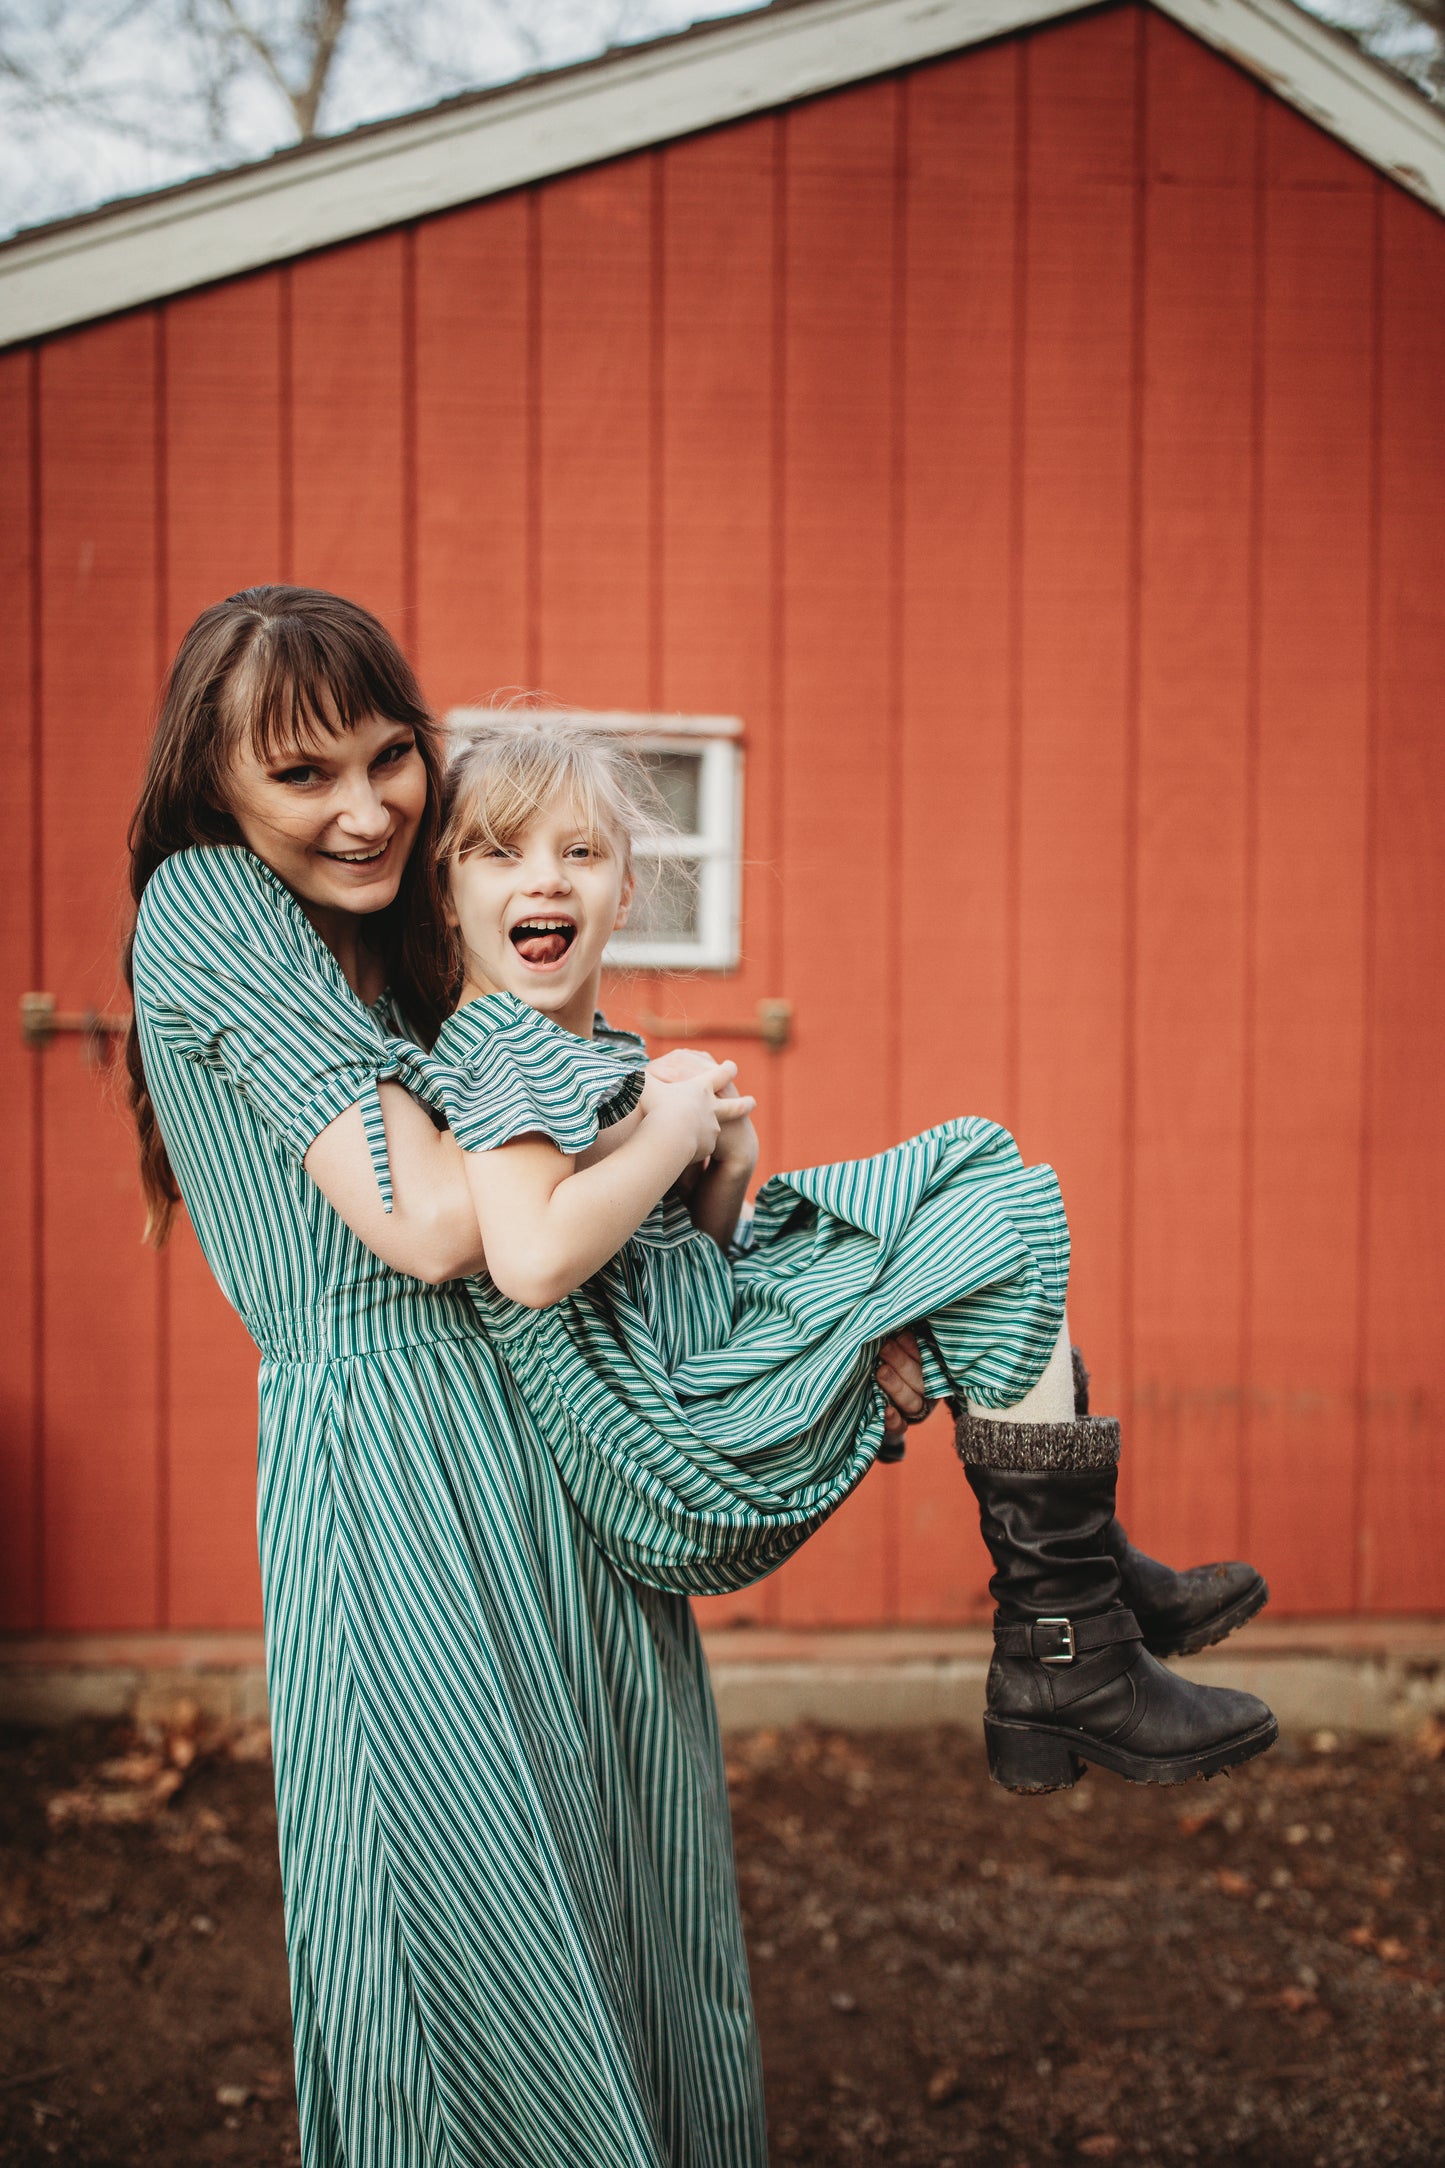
[151, 246]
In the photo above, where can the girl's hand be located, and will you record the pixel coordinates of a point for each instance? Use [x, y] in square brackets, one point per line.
[737, 1144]
[694, 1108]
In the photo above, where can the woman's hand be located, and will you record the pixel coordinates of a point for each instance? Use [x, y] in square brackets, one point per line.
[900, 1373]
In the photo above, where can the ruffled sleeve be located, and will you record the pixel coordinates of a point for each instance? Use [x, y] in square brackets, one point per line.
[506, 1071]
[231, 974]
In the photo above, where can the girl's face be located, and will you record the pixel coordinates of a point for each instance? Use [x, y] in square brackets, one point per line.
[535, 917]
[335, 818]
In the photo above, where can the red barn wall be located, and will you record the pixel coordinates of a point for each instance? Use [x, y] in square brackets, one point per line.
[1040, 450]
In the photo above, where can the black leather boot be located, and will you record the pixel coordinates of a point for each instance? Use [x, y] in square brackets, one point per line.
[1071, 1681]
[1178, 1613]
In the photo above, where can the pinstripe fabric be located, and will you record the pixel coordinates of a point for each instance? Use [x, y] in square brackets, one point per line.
[511, 1909]
[708, 1413]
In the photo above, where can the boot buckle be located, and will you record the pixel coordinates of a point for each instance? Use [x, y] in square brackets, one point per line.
[1065, 1652]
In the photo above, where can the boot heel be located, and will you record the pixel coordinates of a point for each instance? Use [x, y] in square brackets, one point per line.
[1029, 1761]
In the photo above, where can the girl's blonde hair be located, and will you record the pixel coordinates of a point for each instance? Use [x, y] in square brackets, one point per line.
[505, 765]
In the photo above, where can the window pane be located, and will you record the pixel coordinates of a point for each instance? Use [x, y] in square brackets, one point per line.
[665, 907]
[677, 778]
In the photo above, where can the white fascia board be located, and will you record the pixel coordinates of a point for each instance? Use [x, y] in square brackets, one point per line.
[1328, 79]
[337, 191]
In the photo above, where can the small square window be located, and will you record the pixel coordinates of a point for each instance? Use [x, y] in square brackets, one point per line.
[686, 915]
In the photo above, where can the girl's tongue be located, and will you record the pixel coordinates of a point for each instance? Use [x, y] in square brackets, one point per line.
[542, 944]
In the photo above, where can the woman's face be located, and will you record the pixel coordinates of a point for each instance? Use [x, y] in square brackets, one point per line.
[336, 817]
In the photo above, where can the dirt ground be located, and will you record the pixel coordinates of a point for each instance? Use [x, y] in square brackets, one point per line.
[1248, 1972]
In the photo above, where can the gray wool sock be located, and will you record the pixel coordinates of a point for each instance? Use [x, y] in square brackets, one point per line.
[1038, 1448]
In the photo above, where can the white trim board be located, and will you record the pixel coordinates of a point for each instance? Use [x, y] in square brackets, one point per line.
[660, 724]
[154, 246]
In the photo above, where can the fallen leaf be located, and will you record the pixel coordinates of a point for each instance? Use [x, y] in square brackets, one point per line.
[1391, 1951]
[1363, 1937]
[1295, 1998]
[250, 1743]
[1430, 1738]
[232, 2096]
[943, 2086]
[1232, 1883]
[1102, 2146]
[131, 1769]
[1191, 1824]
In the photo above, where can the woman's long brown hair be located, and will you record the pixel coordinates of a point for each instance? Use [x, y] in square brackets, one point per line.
[276, 667]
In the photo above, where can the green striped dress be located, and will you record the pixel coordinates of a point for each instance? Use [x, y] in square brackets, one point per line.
[511, 1909]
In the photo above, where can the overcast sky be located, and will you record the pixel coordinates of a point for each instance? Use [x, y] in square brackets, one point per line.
[102, 98]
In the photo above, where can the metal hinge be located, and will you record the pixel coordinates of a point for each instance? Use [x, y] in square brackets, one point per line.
[41, 1018]
[773, 1025]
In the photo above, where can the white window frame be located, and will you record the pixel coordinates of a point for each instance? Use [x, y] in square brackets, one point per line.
[717, 846]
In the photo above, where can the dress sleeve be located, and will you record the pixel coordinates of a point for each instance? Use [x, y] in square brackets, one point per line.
[229, 972]
[505, 1071]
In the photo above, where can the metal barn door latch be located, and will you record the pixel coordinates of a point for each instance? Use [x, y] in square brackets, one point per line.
[42, 1018]
[773, 1025]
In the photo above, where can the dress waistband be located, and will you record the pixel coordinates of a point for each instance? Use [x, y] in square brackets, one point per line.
[364, 1318]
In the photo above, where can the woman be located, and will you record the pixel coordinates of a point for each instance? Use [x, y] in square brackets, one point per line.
[511, 1911]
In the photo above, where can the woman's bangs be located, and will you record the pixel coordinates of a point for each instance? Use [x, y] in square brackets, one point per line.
[302, 684]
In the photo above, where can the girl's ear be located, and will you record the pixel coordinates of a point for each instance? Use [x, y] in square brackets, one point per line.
[624, 904]
[449, 909]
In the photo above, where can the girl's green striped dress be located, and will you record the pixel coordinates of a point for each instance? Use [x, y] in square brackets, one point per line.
[511, 1911]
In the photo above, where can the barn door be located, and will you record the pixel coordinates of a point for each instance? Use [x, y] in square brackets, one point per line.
[127, 1468]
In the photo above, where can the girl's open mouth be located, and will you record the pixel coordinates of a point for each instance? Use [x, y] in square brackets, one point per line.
[542, 942]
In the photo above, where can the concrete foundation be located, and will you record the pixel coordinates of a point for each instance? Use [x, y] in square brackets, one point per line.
[1372, 1677]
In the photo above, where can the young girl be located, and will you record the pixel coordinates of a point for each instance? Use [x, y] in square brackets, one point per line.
[511, 1912]
[726, 1398]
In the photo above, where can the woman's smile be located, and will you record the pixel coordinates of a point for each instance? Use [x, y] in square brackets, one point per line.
[359, 858]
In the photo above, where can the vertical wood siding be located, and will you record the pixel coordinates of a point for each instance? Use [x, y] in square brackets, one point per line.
[1040, 451]
[21, 1352]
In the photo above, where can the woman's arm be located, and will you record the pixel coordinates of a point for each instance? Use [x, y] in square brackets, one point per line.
[230, 974]
[722, 1186]
[431, 1231]
[549, 1224]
